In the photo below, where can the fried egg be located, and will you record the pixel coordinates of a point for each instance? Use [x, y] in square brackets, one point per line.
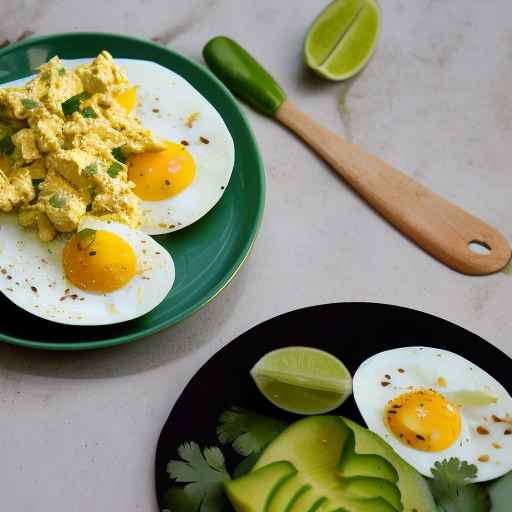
[432, 404]
[181, 184]
[105, 273]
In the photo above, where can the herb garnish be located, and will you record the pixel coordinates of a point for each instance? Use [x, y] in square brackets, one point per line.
[57, 200]
[453, 490]
[114, 169]
[90, 170]
[62, 71]
[29, 104]
[88, 113]
[118, 154]
[73, 104]
[6, 145]
[205, 474]
[85, 238]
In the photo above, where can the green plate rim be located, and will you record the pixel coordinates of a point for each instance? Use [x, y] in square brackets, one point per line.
[128, 338]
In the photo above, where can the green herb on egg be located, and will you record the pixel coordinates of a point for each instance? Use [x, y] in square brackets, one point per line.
[114, 169]
[88, 113]
[6, 145]
[29, 104]
[73, 104]
[57, 200]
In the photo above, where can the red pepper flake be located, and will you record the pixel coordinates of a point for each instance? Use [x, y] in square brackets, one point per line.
[384, 383]
[508, 432]
[92, 253]
[155, 110]
[401, 370]
[387, 376]
[482, 430]
[167, 182]
[74, 296]
[34, 289]
[63, 298]
[204, 140]
[158, 252]
[184, 142]
[496, 445]
[3, 271]
[484, 458]
[9, 277]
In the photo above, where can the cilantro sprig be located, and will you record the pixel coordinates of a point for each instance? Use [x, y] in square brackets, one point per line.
[248, 431]
[29, 104]
[453, 489]
[204, 473]
[89, 113]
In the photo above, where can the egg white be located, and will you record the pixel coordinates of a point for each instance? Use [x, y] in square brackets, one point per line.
[32, 276]
[422, 367]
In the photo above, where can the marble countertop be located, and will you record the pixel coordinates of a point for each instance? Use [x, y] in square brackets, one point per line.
[79, 430]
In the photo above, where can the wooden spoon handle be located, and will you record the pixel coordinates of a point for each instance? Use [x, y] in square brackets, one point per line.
[439, 226]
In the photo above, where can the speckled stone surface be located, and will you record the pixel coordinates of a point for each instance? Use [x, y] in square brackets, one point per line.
[79, 430]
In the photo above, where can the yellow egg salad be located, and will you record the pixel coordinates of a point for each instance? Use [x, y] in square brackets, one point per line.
[65, 137]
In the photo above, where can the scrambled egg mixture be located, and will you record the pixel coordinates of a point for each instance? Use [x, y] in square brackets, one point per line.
[64, 140]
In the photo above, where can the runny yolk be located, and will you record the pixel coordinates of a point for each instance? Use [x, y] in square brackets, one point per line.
[127, 99]
[161, 175]
[101, 262]
[423, 419]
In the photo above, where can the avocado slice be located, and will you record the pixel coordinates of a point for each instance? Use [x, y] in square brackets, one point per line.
[288, 494]
[416, 495]
[315, 447]
[253, 492]
[334, 465]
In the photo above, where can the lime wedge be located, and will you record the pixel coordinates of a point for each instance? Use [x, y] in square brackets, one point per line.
[303, 380]
[343, 38]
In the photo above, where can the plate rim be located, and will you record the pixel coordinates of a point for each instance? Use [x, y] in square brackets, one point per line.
[246, 249]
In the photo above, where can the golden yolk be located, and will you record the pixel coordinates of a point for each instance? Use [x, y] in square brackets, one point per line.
[101, 262]
[127, 99]
[161, 175]
[424, 420]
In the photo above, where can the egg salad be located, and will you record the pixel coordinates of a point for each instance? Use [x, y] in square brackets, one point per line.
[64, 138]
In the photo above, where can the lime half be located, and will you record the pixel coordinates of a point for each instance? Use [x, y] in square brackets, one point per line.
[343, 38]
[303, 380]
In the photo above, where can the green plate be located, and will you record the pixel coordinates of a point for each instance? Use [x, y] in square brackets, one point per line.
[206, 255]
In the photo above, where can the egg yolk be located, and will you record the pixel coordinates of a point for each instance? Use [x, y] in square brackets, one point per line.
[127, 99]
[423, 419]
[161, 175]
[98, 261]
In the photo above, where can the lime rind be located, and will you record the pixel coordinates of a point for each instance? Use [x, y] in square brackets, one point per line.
[356, 42]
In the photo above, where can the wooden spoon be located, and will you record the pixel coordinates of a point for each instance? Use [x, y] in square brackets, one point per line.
[440, 227]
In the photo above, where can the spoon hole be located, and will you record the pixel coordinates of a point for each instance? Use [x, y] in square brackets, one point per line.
[479, 247]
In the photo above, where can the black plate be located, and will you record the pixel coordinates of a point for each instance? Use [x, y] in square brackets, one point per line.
[351, 331]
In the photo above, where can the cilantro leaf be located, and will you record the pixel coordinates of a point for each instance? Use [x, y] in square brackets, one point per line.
[205, 474]
[6, 145]
[453, 490]
[62, 71]
[88, 113]
[249, 432]
[29, 104]
[73, 104]
[114, 169]
[118, 154]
